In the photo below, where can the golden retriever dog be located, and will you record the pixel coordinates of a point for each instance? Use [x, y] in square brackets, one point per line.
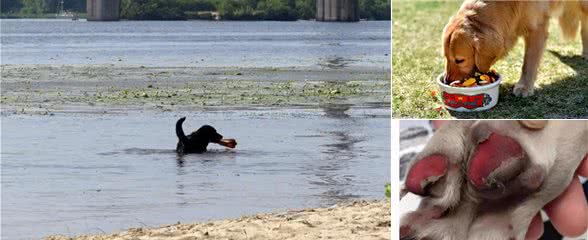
[493, 178]
[483, 32]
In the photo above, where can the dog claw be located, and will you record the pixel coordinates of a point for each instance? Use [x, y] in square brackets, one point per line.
[425, 172]
[495, 160]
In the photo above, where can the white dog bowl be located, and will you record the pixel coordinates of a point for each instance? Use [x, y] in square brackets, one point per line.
[463, 99]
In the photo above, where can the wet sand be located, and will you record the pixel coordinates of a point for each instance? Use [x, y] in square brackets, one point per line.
[101, 88]
[354, 220]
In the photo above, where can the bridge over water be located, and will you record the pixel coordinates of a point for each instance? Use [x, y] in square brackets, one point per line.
[326, 10]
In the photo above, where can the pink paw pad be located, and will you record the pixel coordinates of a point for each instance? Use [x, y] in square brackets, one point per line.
[424, 172]
[498, 158]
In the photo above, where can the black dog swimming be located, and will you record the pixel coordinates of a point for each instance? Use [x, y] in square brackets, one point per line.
[197, 141]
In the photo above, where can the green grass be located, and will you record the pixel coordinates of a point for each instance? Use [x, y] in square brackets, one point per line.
[561, 89]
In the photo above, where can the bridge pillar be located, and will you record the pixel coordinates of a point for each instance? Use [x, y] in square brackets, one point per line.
[337, 10]
[103, 10]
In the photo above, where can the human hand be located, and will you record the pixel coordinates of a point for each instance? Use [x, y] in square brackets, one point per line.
[568, 212]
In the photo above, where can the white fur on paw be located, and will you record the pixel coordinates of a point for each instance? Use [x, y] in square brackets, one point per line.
[522, 91]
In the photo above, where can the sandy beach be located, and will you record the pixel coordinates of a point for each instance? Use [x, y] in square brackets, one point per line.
[352, 220]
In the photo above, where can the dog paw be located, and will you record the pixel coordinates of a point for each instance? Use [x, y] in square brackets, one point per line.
[488, 179]
[520, 90]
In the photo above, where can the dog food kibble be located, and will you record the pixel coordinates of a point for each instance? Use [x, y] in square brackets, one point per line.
[470, 82]
[479, 79]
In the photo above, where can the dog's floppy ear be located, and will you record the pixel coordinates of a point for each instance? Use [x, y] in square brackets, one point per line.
[446, 36]
[487, 48]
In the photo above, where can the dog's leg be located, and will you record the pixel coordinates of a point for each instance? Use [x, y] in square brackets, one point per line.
[585, 36]
[534, 46]
[584, 23]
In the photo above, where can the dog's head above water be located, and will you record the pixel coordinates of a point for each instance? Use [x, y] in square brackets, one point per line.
[209, 133]
[197, 141]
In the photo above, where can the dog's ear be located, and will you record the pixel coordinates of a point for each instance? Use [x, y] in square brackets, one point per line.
[487, 48]
[447, 32]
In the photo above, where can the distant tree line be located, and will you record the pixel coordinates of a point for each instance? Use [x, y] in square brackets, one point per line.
[31, 7]
[198, 9]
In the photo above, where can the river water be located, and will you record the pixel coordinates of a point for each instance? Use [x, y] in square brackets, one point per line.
[92, 173]
[83, 173]
[197, 43]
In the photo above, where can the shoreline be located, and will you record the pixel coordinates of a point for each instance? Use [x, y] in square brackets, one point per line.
[44, 89]
[360, 219]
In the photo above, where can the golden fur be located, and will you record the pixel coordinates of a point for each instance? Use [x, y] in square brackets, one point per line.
[483, 32]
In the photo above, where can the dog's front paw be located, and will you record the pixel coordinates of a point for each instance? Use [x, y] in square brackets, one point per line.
[521, 90]
[477, 182]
